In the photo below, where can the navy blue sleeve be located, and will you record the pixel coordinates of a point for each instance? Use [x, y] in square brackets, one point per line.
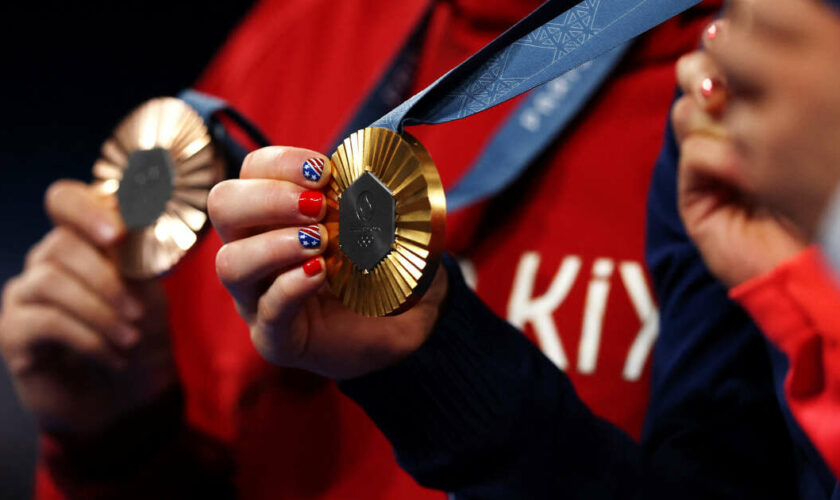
[479, 411]
[717, 384]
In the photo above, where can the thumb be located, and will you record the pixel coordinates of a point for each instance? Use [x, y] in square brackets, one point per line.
[80, 207]
[707, 161]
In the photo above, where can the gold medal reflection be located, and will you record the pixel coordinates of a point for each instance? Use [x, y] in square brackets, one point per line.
[172, 125]
[404, 166]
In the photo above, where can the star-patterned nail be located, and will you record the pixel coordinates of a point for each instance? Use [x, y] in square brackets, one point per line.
[310, 236]
[313, 168]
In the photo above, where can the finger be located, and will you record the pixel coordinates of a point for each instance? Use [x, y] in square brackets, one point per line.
[33, 325]
[773, 21]
[689, 118]
[300, 166]
[289, 290]
[746, 63]
[700, 78]
[745, 128]
[76, 205]
[243, 263]
[281, 303]
[51, 286]
[69, 251]
[681, 114]
[237, 206]
[712, 159]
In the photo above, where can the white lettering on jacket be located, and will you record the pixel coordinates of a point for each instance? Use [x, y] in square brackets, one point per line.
[524, 308]
[634, 281]
[593, 315]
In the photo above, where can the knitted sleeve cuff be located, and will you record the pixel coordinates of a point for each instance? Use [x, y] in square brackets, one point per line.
[475, 397]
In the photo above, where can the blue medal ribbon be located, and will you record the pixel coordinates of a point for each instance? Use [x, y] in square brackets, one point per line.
[531, 129]
[210, 109]
[538, 49]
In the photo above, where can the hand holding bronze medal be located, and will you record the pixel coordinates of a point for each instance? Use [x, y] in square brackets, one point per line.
[160, 164]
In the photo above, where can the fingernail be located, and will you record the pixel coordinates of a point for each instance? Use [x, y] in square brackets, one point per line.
[131, 308]
[107, 232]
[310, 203]
[712, 31]
[709, 86]
[312, 169]
[310, 236]
[127, 335]
[313, 267]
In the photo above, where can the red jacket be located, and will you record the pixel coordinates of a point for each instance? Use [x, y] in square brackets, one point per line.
[797, 307]
[562, 258]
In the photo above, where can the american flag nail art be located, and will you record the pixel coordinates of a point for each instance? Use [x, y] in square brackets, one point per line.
[310, 236]
[313, 168]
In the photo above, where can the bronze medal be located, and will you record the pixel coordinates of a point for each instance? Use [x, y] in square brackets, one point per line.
[160, 164]
[386, 219]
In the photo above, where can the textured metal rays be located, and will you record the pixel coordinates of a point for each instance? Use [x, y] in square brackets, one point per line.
[173, 125]
[406, 168]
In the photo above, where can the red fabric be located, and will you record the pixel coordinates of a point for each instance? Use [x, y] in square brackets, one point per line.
[797, 307]
[299, 69]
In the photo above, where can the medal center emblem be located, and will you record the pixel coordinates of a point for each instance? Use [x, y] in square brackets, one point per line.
[364, 207]
[146, 187]
[366, 221]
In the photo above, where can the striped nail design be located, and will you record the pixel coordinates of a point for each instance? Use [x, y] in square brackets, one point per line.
[313, 168]
[310, 236]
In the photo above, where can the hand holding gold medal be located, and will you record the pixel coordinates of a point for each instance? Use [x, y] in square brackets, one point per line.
[276, 258]
[385, 208]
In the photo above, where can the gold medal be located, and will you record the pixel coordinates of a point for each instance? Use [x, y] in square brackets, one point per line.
[386, 219]
[160, 163]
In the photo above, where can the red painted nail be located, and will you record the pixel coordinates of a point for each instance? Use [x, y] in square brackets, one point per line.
[310, 203]
[712, 31]
[708, 87]
[313, 267]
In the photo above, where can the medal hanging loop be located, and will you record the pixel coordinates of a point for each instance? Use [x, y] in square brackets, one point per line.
[211, 109]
